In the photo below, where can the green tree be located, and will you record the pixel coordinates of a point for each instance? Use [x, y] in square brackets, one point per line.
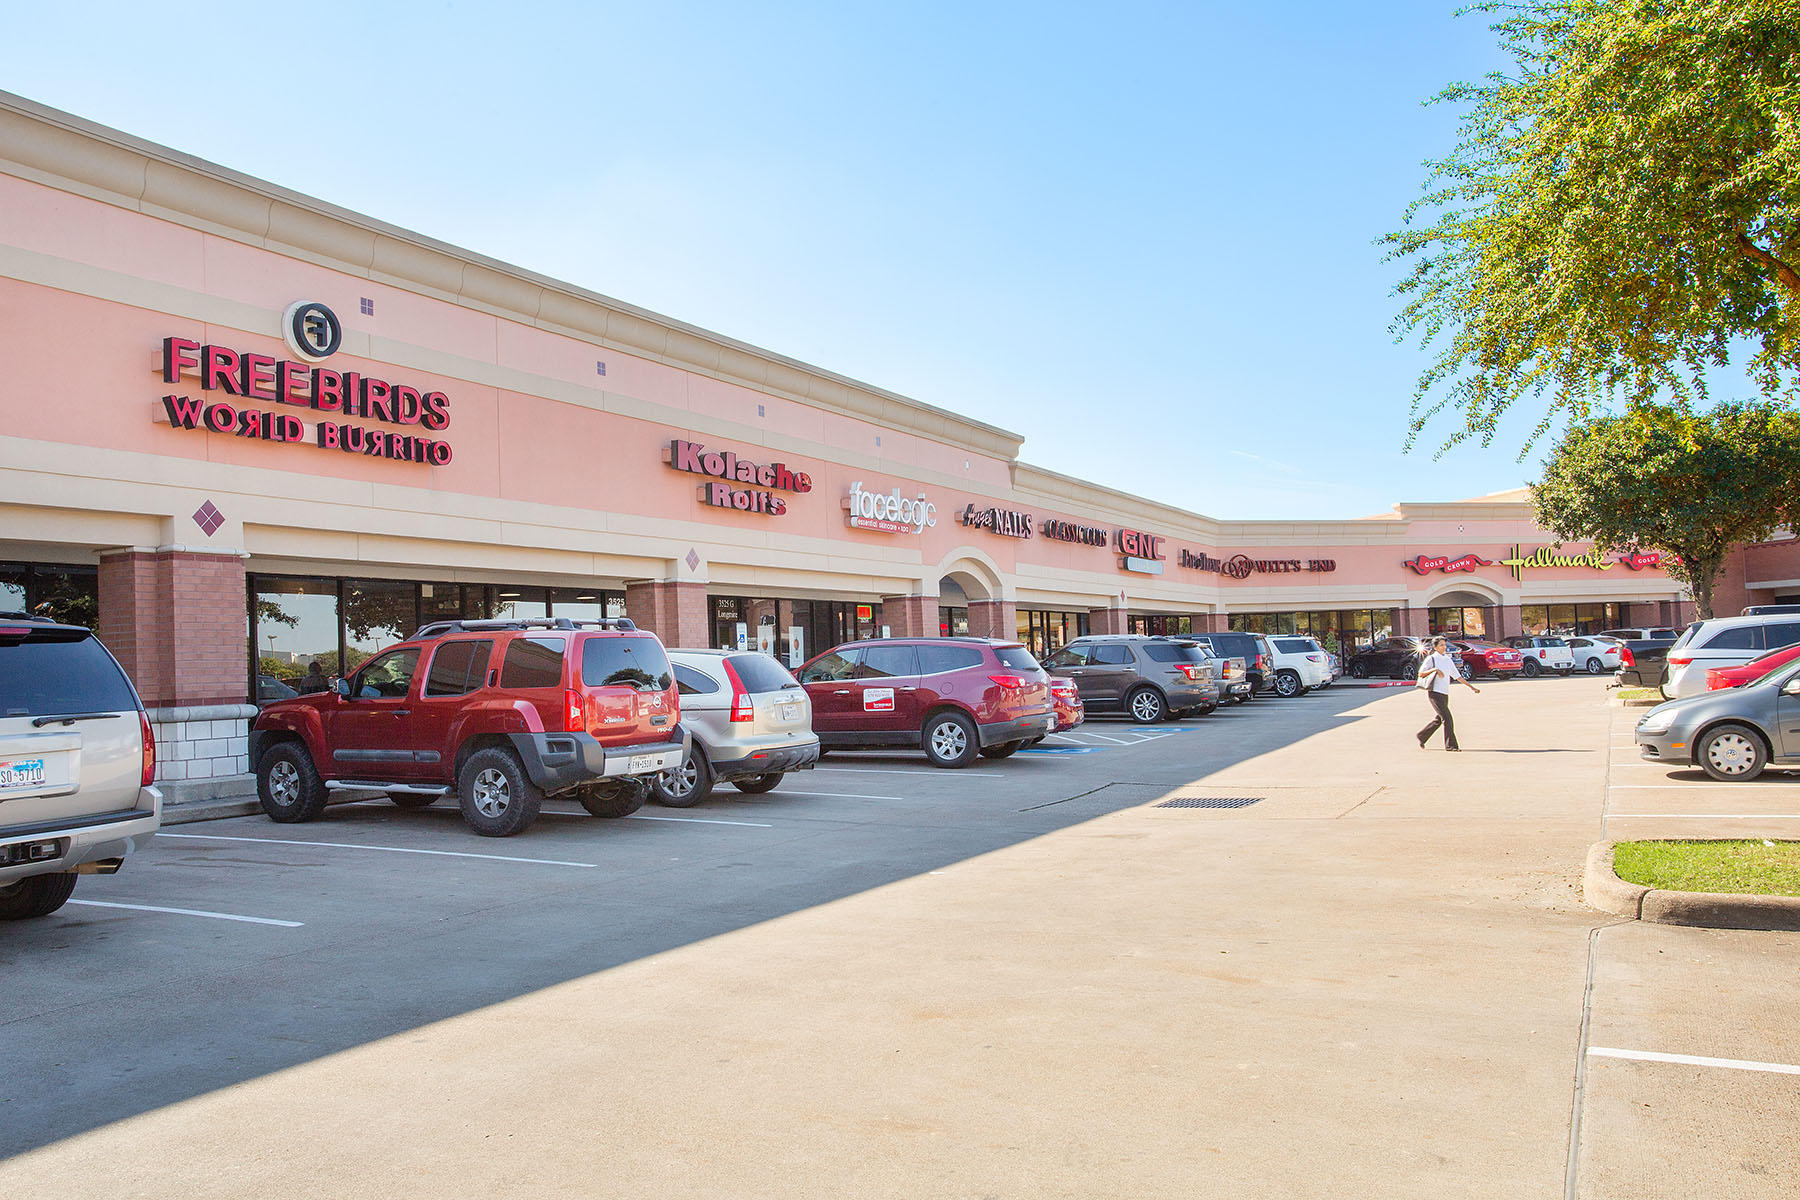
[1688, 484]
[1621, 211]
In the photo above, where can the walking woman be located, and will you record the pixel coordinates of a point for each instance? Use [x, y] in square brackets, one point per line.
[1436, 674]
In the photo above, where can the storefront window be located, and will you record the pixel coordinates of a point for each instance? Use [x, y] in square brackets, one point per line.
[1047, 630]
[1459, 622]
[521, 603]
[1161, 625]
[953, 622]
[66, 593]
[1341, 631]
[377, 613]
[789, 630]
[453, 602]
[586, 604]
[293, 625]
[1569, 620]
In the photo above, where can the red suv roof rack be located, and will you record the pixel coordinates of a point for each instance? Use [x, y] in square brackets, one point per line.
[440, 628]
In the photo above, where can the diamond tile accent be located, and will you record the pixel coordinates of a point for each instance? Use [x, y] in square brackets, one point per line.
[693, 561]
[208, 518]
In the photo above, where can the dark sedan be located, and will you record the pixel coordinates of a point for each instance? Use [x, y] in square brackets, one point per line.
[1397, 658]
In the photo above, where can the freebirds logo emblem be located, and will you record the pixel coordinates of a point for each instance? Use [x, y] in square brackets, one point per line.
[889, 512]
[311, 330]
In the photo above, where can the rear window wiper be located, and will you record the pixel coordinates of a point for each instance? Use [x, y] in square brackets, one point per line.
[70, 719]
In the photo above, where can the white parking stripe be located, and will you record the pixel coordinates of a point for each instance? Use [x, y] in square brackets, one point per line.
[1694, 1060]
[1714, 816]
[986, 774]
[1684, 785]
[701, 821]
[190, 912]
[837, 795]
[217, 837]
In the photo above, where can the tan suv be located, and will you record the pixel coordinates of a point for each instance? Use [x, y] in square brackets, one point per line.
[76, 764]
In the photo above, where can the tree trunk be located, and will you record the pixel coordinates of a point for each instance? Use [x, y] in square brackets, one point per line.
[1703, 572]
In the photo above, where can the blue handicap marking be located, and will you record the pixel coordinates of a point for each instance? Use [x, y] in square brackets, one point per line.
[1061, 750]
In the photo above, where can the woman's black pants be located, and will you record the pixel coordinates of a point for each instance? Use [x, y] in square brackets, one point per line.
[1441, 703]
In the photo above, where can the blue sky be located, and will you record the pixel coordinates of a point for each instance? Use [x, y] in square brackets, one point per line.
[1141, 236]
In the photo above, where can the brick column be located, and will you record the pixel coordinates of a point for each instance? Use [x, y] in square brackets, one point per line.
[994, 619]
[1109, 620]
[1213, 622]
[674, 612]
[176, 621]
[1413, 622]
[1645, 613]
[911, 616]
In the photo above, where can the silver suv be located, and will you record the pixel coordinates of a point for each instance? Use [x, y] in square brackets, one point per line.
[750, 721]
[76, 764]
[1149, 679]
[1723, 642]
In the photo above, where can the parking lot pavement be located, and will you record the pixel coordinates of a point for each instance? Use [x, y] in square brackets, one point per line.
[1344, 967]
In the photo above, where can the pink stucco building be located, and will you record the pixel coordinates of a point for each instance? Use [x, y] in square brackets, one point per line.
[245, 431]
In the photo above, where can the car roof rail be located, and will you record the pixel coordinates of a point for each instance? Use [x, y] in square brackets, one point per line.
[13, 614]
[502, 624]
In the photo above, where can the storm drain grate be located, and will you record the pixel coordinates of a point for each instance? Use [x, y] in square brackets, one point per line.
[1211, 802]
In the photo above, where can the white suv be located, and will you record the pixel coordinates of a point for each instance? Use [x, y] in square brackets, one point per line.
[76, 764]
[1538, 654]
[1299, 665]
[1723, 642]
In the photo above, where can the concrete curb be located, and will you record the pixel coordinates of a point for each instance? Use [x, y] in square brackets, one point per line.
[1602, 888]
[241, 806]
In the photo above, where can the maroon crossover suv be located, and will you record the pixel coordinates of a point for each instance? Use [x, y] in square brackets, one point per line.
[954, 697]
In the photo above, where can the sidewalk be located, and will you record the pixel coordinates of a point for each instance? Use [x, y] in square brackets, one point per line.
[1369, 983]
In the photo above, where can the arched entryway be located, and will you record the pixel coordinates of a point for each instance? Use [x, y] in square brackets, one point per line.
[1466, 609]
[971, 600]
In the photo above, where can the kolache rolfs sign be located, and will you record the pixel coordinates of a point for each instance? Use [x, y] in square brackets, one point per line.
[327, 394]
[765, 479]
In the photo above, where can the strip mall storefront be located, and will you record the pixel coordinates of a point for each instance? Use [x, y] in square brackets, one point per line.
[246, 432]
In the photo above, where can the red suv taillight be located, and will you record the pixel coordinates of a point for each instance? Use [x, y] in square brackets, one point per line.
[1680, 660]
[149, 775]
[742, 707]
[1010, 682]
[1190, 670]
[573, 721]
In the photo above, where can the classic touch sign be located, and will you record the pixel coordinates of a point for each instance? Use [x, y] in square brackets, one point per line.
[249, 376]
[889, 512]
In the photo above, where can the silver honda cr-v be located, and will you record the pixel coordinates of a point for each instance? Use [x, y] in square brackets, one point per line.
[750, 721]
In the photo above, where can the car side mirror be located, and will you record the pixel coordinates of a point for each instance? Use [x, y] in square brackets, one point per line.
[1791, 687]
[342, 687]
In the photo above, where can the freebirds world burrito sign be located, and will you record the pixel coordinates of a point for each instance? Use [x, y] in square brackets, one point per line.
[239, 379]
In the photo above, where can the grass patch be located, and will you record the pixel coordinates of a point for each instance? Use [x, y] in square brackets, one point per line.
[1630, 694]
[1754, 867]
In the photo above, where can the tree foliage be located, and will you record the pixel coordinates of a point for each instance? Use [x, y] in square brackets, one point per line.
[1663, 478]
[1621, 212]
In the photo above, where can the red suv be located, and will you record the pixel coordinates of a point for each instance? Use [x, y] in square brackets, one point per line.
[952, 697]
[502, 713]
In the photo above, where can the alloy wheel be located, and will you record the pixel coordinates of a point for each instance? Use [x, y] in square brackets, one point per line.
[1145, 706]
[949, 740]
[284, 784]
[492, 792]
[680, 782]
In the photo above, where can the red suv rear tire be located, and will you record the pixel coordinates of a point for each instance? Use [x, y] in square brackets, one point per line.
[950, 739]
[497, 798]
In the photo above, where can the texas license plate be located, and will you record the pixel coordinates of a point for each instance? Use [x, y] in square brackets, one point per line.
[790, 712]
[639, 763]
[21, 772]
